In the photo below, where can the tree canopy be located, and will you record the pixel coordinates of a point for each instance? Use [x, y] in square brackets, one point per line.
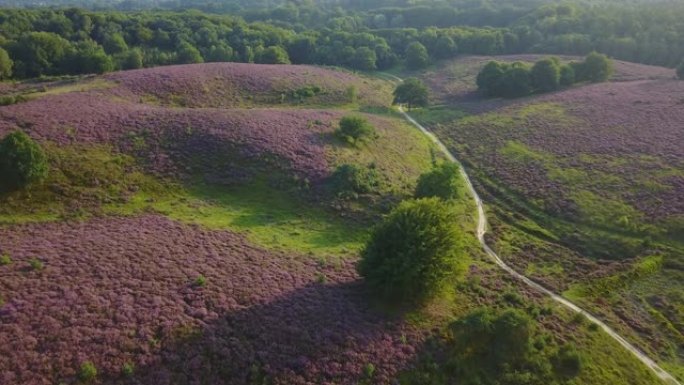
[510, 80]
[546, 75]
[412, 92]
[443, 181]
[414, 252]
[22, 161]
[417, 56]
[364, 38]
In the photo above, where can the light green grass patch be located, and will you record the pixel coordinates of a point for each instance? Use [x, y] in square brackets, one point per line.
[434, 115]
[95, 84]
[521, 153]
[267, 216]
[400, 153]
[614, 285]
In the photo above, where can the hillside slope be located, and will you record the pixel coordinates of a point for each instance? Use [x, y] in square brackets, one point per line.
[586, 189]
[191, 233]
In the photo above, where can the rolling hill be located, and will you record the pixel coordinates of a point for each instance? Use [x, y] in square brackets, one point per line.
[189, 232]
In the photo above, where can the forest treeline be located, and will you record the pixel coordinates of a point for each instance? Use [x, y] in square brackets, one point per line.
[359, 35]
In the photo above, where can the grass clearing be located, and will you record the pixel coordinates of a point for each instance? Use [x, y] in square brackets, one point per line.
[267, 216]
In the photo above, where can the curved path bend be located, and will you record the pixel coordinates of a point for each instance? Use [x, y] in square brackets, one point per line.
[482, 230]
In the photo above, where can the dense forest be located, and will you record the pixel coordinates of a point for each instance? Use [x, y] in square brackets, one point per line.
[362, 35]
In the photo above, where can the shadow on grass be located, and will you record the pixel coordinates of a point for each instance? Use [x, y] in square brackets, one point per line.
[319, 333]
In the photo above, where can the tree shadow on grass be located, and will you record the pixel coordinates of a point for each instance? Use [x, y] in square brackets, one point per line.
[320, 333]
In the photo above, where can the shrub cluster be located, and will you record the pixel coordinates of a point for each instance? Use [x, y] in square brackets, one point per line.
[300, 94]
[492, 346]
[350, 179]
[510, 80]
[22, 161]
[414, 252]
[441, 182]
[7, 100]
[355, 129]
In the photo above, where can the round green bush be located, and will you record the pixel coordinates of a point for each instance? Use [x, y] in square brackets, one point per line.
[88, 372]
[414, 252]
[568, 362]
[546, 75]
[567, 75]
[352, 179]
[441, 182]
[22, 161]
[354, 129]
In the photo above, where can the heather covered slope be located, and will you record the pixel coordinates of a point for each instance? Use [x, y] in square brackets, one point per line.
[241, 85]
[199, 150]
[117, 291]
[181, 241]
[585, 188]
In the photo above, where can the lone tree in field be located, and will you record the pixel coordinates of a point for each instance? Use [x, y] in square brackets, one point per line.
[441, 182]
[680, 71]
[412, 92]
[546, 75]
[355, 129]
[22, 162]
[414, 253]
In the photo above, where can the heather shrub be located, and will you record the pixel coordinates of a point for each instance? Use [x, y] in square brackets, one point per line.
[369, 370]
[22, 161]
[567, 362]
[87, 372]
[305, 92]
[128, 369]
[355, 129]
[414, 252]
[7, 100]
[36, 264]
[349, 179]
[442, 182]
[200, 281]
[5, 260]
[352, 93]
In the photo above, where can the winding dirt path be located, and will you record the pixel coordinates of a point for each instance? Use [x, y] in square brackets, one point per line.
[482, 230]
